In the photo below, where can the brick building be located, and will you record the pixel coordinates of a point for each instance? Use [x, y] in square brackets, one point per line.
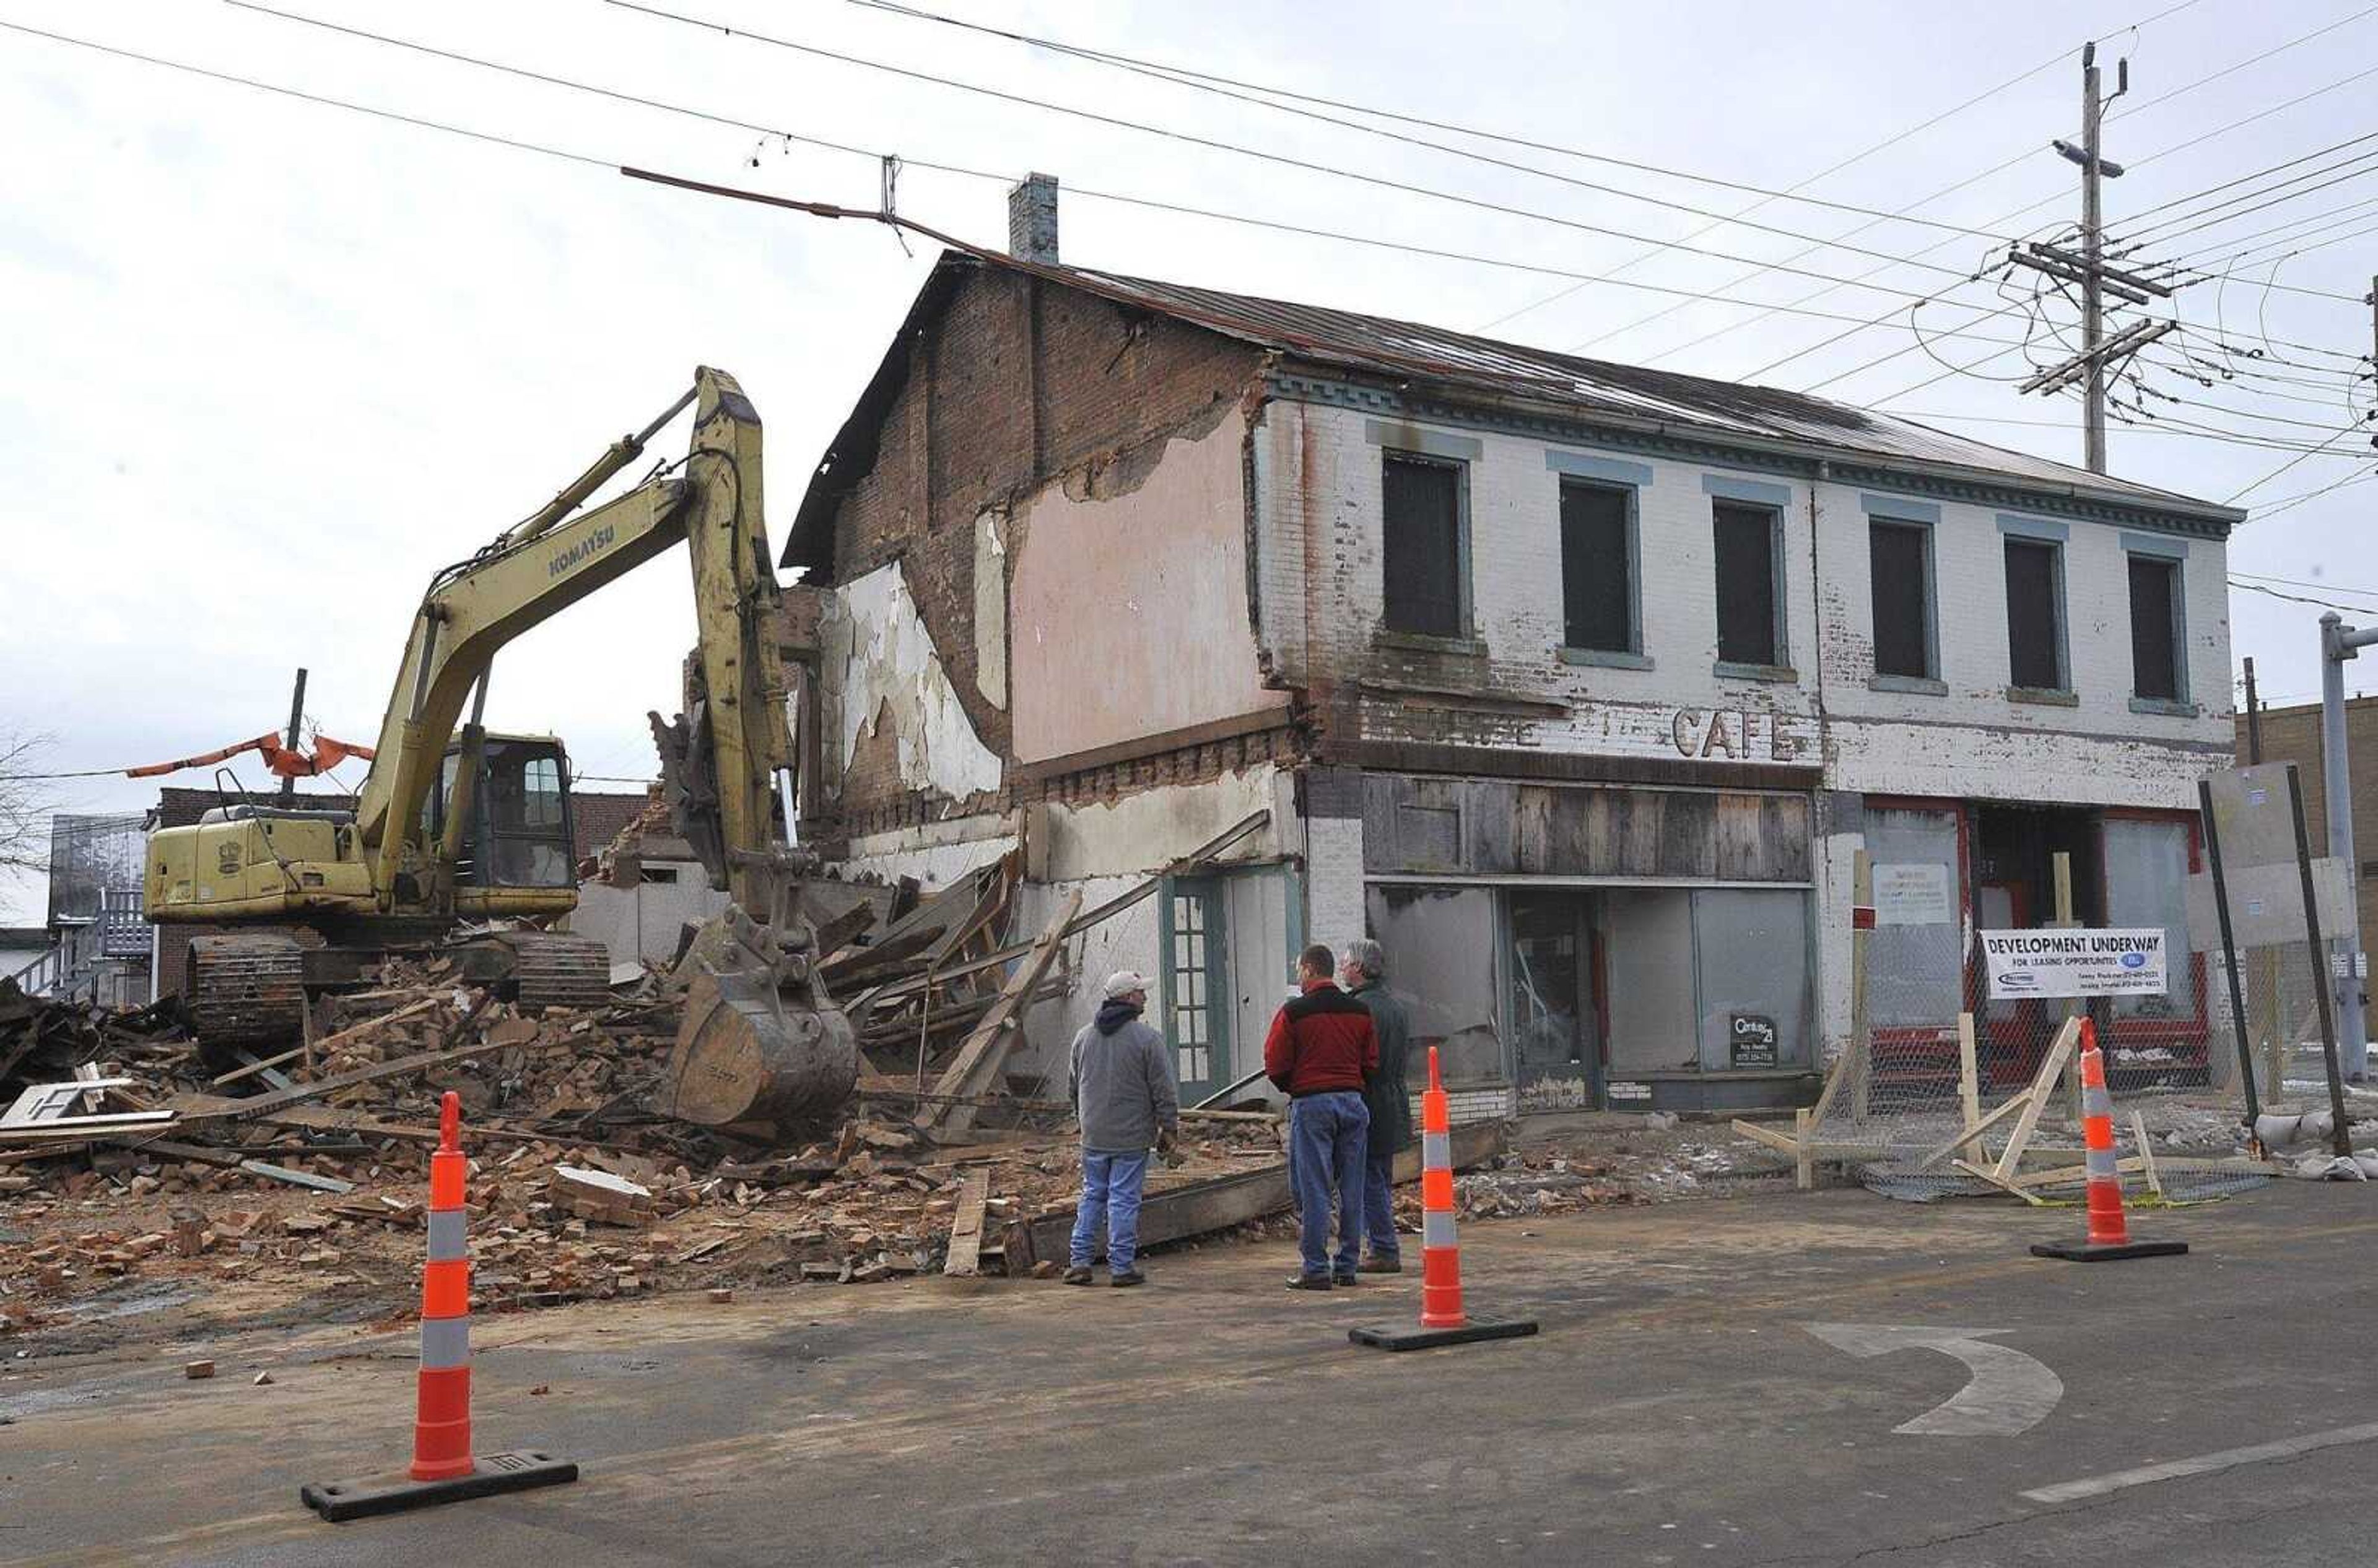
[1576, 685]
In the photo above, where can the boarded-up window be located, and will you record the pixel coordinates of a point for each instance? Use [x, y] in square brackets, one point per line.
[1597, 594]
[2154, 628]
[1746, 584]
[1900, 569]
[1422, 546]
[2034, 615]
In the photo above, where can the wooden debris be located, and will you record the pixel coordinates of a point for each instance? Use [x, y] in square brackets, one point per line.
[966, 1231]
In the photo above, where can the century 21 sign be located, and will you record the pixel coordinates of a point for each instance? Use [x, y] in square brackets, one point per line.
[1739, 735]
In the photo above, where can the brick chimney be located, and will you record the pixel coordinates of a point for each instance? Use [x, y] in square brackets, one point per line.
[1032, 220]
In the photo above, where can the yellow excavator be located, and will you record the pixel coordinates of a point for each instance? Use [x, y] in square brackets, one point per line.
[460, 842]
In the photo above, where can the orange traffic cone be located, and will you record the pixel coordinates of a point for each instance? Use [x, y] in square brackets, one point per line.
[2110, 1232]
[1442, 1321]
[443, 1469]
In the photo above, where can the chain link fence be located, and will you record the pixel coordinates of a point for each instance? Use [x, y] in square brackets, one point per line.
[1899, 1103]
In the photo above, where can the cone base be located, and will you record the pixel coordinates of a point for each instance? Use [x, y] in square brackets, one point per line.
[2106, 1251]
[341, 1500]
[1429, 1338]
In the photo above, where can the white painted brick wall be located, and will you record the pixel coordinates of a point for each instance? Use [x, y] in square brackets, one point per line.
[1317, 478]
[1317, 471]
[1333, 880]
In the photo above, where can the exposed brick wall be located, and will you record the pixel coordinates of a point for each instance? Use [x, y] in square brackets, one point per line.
[1015, 384]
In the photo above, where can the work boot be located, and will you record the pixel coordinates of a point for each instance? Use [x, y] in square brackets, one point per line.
[1077, 1276]
[1128, 1277]
[1308, 1282]
[1344, 1281]
[1377, 1264]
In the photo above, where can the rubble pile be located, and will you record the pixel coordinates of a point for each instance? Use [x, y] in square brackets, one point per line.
[305, 1182]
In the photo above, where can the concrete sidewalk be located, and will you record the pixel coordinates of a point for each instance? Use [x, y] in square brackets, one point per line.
[1675, 1408]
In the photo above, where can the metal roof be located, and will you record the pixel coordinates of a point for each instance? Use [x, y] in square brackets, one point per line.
[1599, 388]
[1591, 390]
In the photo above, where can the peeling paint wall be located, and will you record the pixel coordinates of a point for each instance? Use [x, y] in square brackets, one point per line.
[990, 607]
[1129, 599]
[1143, 832]
[892, 701]
[1320, 587]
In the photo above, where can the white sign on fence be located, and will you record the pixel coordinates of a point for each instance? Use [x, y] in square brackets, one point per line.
[1911, 892]
[2075, 964]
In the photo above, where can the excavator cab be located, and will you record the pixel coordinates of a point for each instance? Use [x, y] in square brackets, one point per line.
[517, 832]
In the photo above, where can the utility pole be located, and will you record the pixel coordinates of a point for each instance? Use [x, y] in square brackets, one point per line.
[2253, 718]
[2339, 642]
[2087, 268]
[297, 718]
[2092, 250]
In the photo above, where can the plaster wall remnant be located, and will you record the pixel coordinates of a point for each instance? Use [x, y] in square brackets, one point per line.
[894, 696]
[991, 606]
[1129, 597]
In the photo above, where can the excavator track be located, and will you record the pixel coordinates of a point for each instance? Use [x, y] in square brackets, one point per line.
[553, 970]
[246, 990]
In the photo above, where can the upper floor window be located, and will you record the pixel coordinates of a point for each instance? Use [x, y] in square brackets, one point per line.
[1899, 557]
[2158, 661]
[1748, 607]
[1598, 569]
[1422, 546]
[2035, 590]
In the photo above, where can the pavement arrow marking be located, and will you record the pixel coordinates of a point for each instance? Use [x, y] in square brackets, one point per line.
[2009, 1391]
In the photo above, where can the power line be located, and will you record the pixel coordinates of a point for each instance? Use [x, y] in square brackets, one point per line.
[2250, 175]
[2292, 462]
[2036, 206]
[2299, 599]
[1262, 155]
[873, 155]
[1835, 169]
[1231, 87]
[420, 121]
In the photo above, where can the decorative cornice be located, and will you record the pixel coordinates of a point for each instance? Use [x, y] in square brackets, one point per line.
[1865, 472]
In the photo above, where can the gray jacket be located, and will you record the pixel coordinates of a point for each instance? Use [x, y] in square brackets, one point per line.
[1120, 1082]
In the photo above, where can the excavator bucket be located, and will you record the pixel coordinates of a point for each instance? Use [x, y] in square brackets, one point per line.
[758, 1046]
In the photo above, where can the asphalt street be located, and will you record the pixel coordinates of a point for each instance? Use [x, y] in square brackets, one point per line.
[1830, 1378]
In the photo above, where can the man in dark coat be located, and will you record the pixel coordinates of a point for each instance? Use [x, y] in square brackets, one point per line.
[1364, 978]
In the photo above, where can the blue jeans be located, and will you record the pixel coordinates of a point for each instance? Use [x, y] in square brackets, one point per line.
[1327, 1134]
[1110, 1182]
[1379, 1202]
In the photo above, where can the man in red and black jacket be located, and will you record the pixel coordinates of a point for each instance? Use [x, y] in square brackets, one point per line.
[1320, 1049]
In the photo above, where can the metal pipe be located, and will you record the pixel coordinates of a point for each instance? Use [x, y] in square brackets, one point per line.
[2339, 642]
[619, 455]
[2228, 952]
[2343, 1142]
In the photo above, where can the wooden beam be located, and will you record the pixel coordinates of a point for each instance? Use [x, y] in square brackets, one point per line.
[2146, 1152]
[1969, 1073]
[965, 1232]
[1194, 860]
[1225, 1201]
[2043, 1085]
[1804, 1165]
[1970, 1168]
[1973, 1133]
[976, 1067]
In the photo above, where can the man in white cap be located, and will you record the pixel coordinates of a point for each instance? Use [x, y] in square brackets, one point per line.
[1121, 1084]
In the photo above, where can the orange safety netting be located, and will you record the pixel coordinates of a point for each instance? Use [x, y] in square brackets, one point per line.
[284, 761]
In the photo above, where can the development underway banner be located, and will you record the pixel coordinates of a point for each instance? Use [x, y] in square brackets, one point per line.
[2075, 964]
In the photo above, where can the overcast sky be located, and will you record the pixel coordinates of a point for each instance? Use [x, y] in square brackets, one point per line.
[266, 365]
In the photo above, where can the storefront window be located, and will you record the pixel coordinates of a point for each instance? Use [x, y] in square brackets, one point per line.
[1440, 950]
[2147, 883]
[1653, 1025]
[1915, 955]
[1752, 948]
[1552, 1005]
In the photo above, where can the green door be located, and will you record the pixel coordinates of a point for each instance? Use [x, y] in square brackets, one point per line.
[1196, 991]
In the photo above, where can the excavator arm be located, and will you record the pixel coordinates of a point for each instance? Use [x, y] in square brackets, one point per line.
[735, 738]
